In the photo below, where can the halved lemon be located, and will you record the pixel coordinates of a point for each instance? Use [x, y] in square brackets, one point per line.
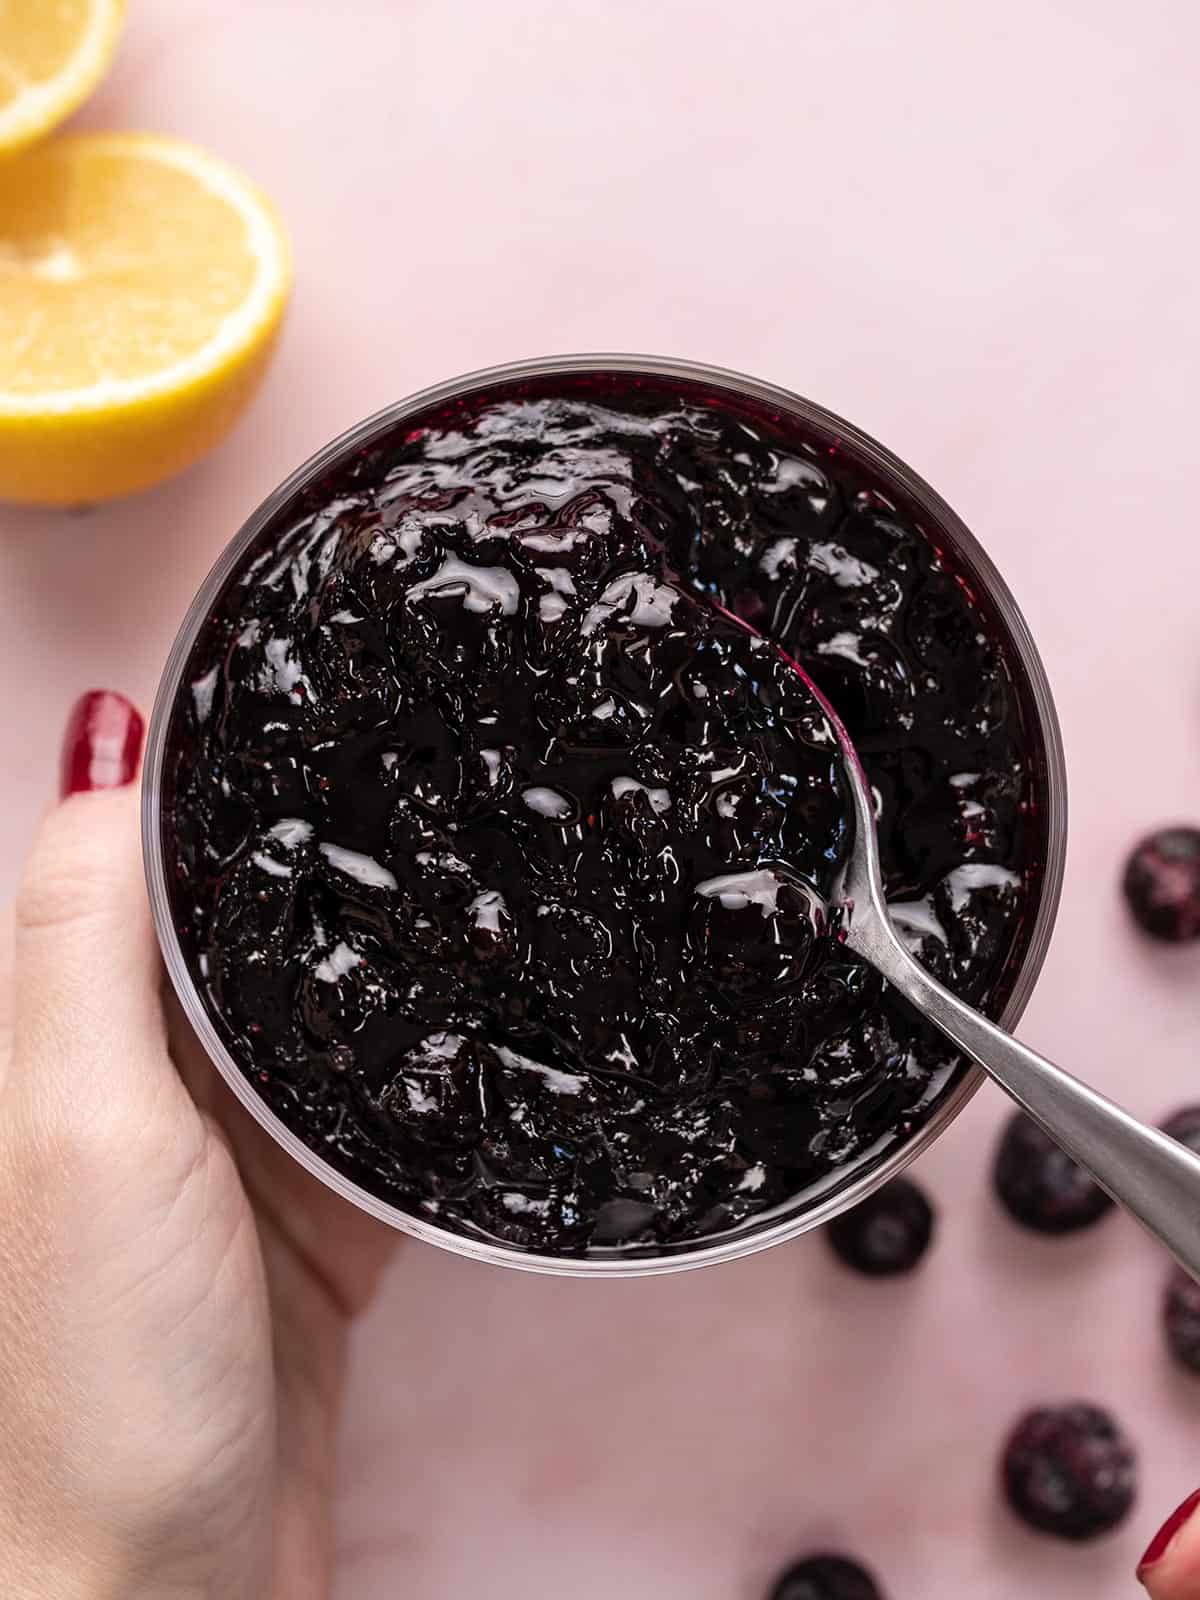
[53, 53]
[142, 285]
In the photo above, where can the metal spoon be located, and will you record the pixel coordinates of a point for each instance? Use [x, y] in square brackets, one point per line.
[1151, 1175]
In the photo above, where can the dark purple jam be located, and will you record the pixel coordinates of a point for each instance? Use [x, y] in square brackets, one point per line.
[497, 852]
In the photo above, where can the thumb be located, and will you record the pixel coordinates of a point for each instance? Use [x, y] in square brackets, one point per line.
[1170, 1569]
[88, 1030]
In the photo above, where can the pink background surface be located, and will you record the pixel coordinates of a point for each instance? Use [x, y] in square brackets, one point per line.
[972, 230]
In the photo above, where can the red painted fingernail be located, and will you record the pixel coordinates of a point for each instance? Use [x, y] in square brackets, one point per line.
[1165, 1536]
[102, 743]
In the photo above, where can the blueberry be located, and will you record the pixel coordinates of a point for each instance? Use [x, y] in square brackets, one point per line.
[1181, 1319]
[437, 1090]
[1162, 884]
[887, 1233]
[1039, 1184]
[1070, 1471]
[1184, 1125]
[826, 1578]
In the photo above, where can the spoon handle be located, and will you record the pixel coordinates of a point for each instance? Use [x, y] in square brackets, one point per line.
[1153, 1176]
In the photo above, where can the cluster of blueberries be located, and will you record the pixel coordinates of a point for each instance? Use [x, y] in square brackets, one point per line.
[1070, 1469]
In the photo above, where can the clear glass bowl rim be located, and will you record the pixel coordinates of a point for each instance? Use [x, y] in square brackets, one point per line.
[806, 1214]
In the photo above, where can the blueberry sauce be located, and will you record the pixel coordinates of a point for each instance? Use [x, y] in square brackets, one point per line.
[497, 852]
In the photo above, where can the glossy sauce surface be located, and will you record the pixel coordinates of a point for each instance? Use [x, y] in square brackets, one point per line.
[496, 854]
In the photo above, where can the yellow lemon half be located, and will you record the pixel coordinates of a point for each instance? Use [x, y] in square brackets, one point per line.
[142, 284]
[53, 53]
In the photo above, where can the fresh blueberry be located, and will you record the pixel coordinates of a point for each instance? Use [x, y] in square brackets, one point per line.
[1184, 1125]
[1039, 1184]
[826, 1578]
[1181, 1319]
[887, 1233]
[1069, 1470]
[1162, 884]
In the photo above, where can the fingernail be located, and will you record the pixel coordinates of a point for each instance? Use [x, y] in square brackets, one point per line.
[102, 743]
[1165, 1537]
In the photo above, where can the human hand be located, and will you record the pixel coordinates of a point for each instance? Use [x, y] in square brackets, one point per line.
[175, 1291]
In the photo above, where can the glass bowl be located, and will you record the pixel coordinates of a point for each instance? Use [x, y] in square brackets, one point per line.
[816, 1205]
